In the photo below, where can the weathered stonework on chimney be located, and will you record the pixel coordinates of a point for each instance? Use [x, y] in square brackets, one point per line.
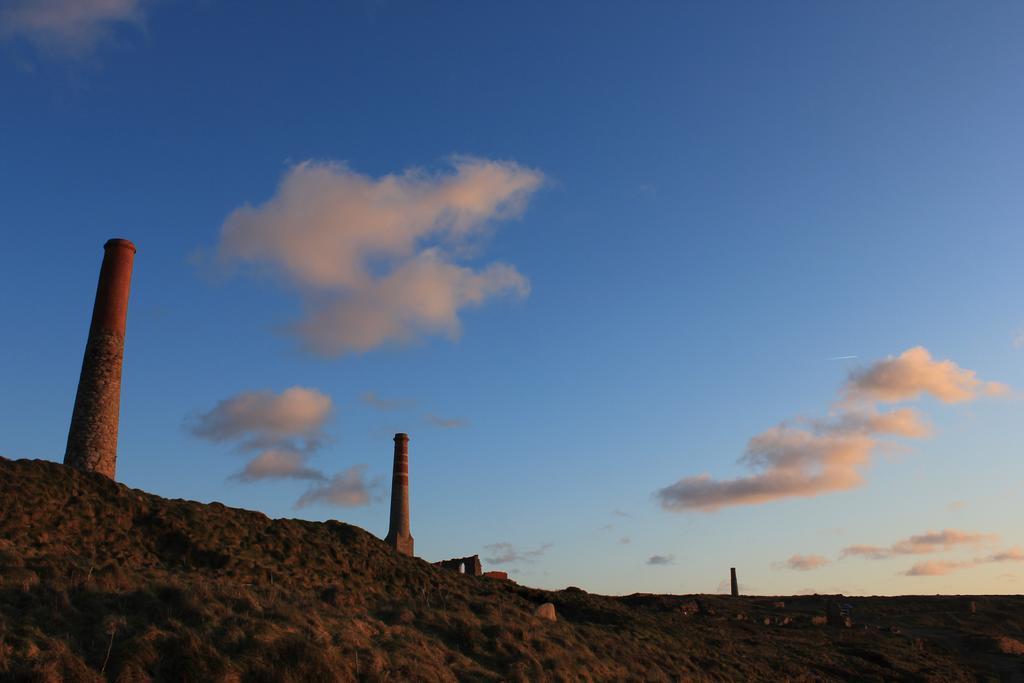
[399, 536]
[92, 438]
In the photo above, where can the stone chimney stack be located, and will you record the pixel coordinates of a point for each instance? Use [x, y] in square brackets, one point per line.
[399, 536]
[735, 585]
[92, 438]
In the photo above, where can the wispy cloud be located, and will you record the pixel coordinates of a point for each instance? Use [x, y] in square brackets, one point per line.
[661, 559]
[802, 563]
[941, 568]
[1018, 340]
[347, 489]
[625, 540]
[619, 513]
[504, 553]
[446, 422]
[376, 257]
[278, 463]
[67, 28]
[371, 399]
[920, 544]
[810, 456]
[281, 432]
[957, 505]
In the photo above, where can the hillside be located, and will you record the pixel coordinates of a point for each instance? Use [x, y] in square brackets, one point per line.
[102, 582]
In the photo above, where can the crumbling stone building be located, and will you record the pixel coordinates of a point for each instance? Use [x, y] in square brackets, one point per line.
[463, 565]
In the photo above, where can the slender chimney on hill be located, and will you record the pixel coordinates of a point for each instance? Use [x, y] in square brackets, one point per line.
[735, 585]
[92, 438]
[399, 536]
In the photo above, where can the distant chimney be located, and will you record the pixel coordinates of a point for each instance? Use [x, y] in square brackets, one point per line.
[735, 586]
[92, 438]
[399, 536]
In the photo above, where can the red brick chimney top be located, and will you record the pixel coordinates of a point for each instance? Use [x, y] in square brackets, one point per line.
[119, 242]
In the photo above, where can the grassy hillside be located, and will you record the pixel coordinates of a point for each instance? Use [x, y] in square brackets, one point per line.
[102, 582]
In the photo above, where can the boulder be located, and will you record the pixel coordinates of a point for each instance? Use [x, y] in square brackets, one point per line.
[546, 611]
[1009, 646]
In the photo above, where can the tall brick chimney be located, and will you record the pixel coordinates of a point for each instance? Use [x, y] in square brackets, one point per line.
[735, 585]
[92, 438]
[399, 536]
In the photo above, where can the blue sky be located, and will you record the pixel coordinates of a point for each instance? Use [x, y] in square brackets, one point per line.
[697, 206]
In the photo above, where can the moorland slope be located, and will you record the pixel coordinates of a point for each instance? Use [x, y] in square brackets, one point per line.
[102, 582]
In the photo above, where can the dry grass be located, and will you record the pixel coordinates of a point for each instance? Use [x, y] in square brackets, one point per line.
[102, 582]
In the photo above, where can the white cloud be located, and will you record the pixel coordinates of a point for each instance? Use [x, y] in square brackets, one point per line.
[278, 463]
[295, 412]
[791, 461]
[375, 259]
[802, 563]
[347, 489]
[913, 373]
[920, 544]
[807, 457]
[282, 431]
[66, 27]
[941, 568]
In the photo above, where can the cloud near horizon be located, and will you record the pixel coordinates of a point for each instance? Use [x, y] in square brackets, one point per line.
[69, 28]
[375, 259]
[505, 553]
[656, 560]
[802, 563]
[941, 568]
[921, 544]
[807, 457]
